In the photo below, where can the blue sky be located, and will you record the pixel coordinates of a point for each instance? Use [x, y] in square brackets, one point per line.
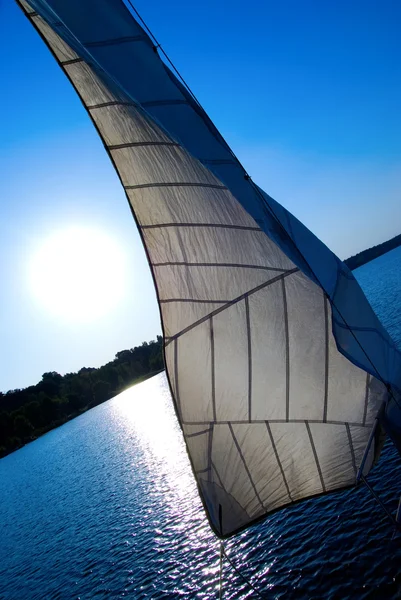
[307, 94]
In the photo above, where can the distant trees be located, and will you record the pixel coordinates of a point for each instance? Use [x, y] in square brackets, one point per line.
[367, 255]
[27, 413]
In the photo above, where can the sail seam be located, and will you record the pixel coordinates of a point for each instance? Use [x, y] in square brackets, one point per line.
[115, 41]
[287, 353]
[71, 61]
[209, 451]
[201, 471]
[249, 338]
[202, 225]
[219, 478]
[312, 443]
[148, 104]
[245, 465]
[354, 328]
[231, 302]
[213, 375]
[140, 144]
[191, 435]
[175, 184]
[351, 447]
[111, 103]
[365, 408]
[326, 361]
[273, 443]
[232, 265]
[279, 421]
[193, 301]
[177, 394]
[172, 102]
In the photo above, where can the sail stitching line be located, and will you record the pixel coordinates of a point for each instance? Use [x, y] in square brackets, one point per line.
[221, 484]
[365, 408]
[177, 394]
[231, 302]
[146, 104]
[280, 421]
[249, 338]
[212, 360]
[326, 361]
[362, 329]
[232, 265]
[176, 184]
[287, 353]
[193, 301]
[202, 225]
[115, 41]
[209, 452]
[140, 144]
[312, 443]
[273, 443]
[219, 478]
[71, 61]
[172, 102]
[191, 435]
[351, 447]
[245, 465]
[157, 45]
[111, 103]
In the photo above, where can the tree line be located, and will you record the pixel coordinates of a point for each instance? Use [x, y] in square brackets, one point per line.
[27, 413]
[353, 262]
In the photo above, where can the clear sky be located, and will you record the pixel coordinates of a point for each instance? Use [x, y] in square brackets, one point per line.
[308, 94]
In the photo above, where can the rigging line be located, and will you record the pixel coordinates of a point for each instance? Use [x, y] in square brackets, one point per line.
[159, 46]
[247, 581]
[380, 502]
[221, 572]
[260, 195]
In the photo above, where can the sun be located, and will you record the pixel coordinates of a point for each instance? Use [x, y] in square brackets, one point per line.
[78, 274]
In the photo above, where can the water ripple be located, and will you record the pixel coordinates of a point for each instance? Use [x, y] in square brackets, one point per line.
[106, 507]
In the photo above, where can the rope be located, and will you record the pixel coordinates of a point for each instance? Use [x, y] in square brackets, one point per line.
[380, 502]
[221, 571]
[158, 46]
[245, 579]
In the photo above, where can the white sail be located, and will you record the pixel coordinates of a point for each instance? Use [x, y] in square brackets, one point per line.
[271, 409]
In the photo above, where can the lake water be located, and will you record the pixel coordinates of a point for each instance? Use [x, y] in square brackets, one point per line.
[106, 507]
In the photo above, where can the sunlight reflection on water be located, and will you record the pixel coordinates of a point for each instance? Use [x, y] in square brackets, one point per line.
[147, 411]
[106, 507]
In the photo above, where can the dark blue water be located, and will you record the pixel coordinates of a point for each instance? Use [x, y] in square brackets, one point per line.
[106, 507]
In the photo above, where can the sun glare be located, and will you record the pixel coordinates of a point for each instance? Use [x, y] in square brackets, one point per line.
[78, 274]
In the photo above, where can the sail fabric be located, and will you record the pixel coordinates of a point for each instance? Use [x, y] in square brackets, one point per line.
[277, 363]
